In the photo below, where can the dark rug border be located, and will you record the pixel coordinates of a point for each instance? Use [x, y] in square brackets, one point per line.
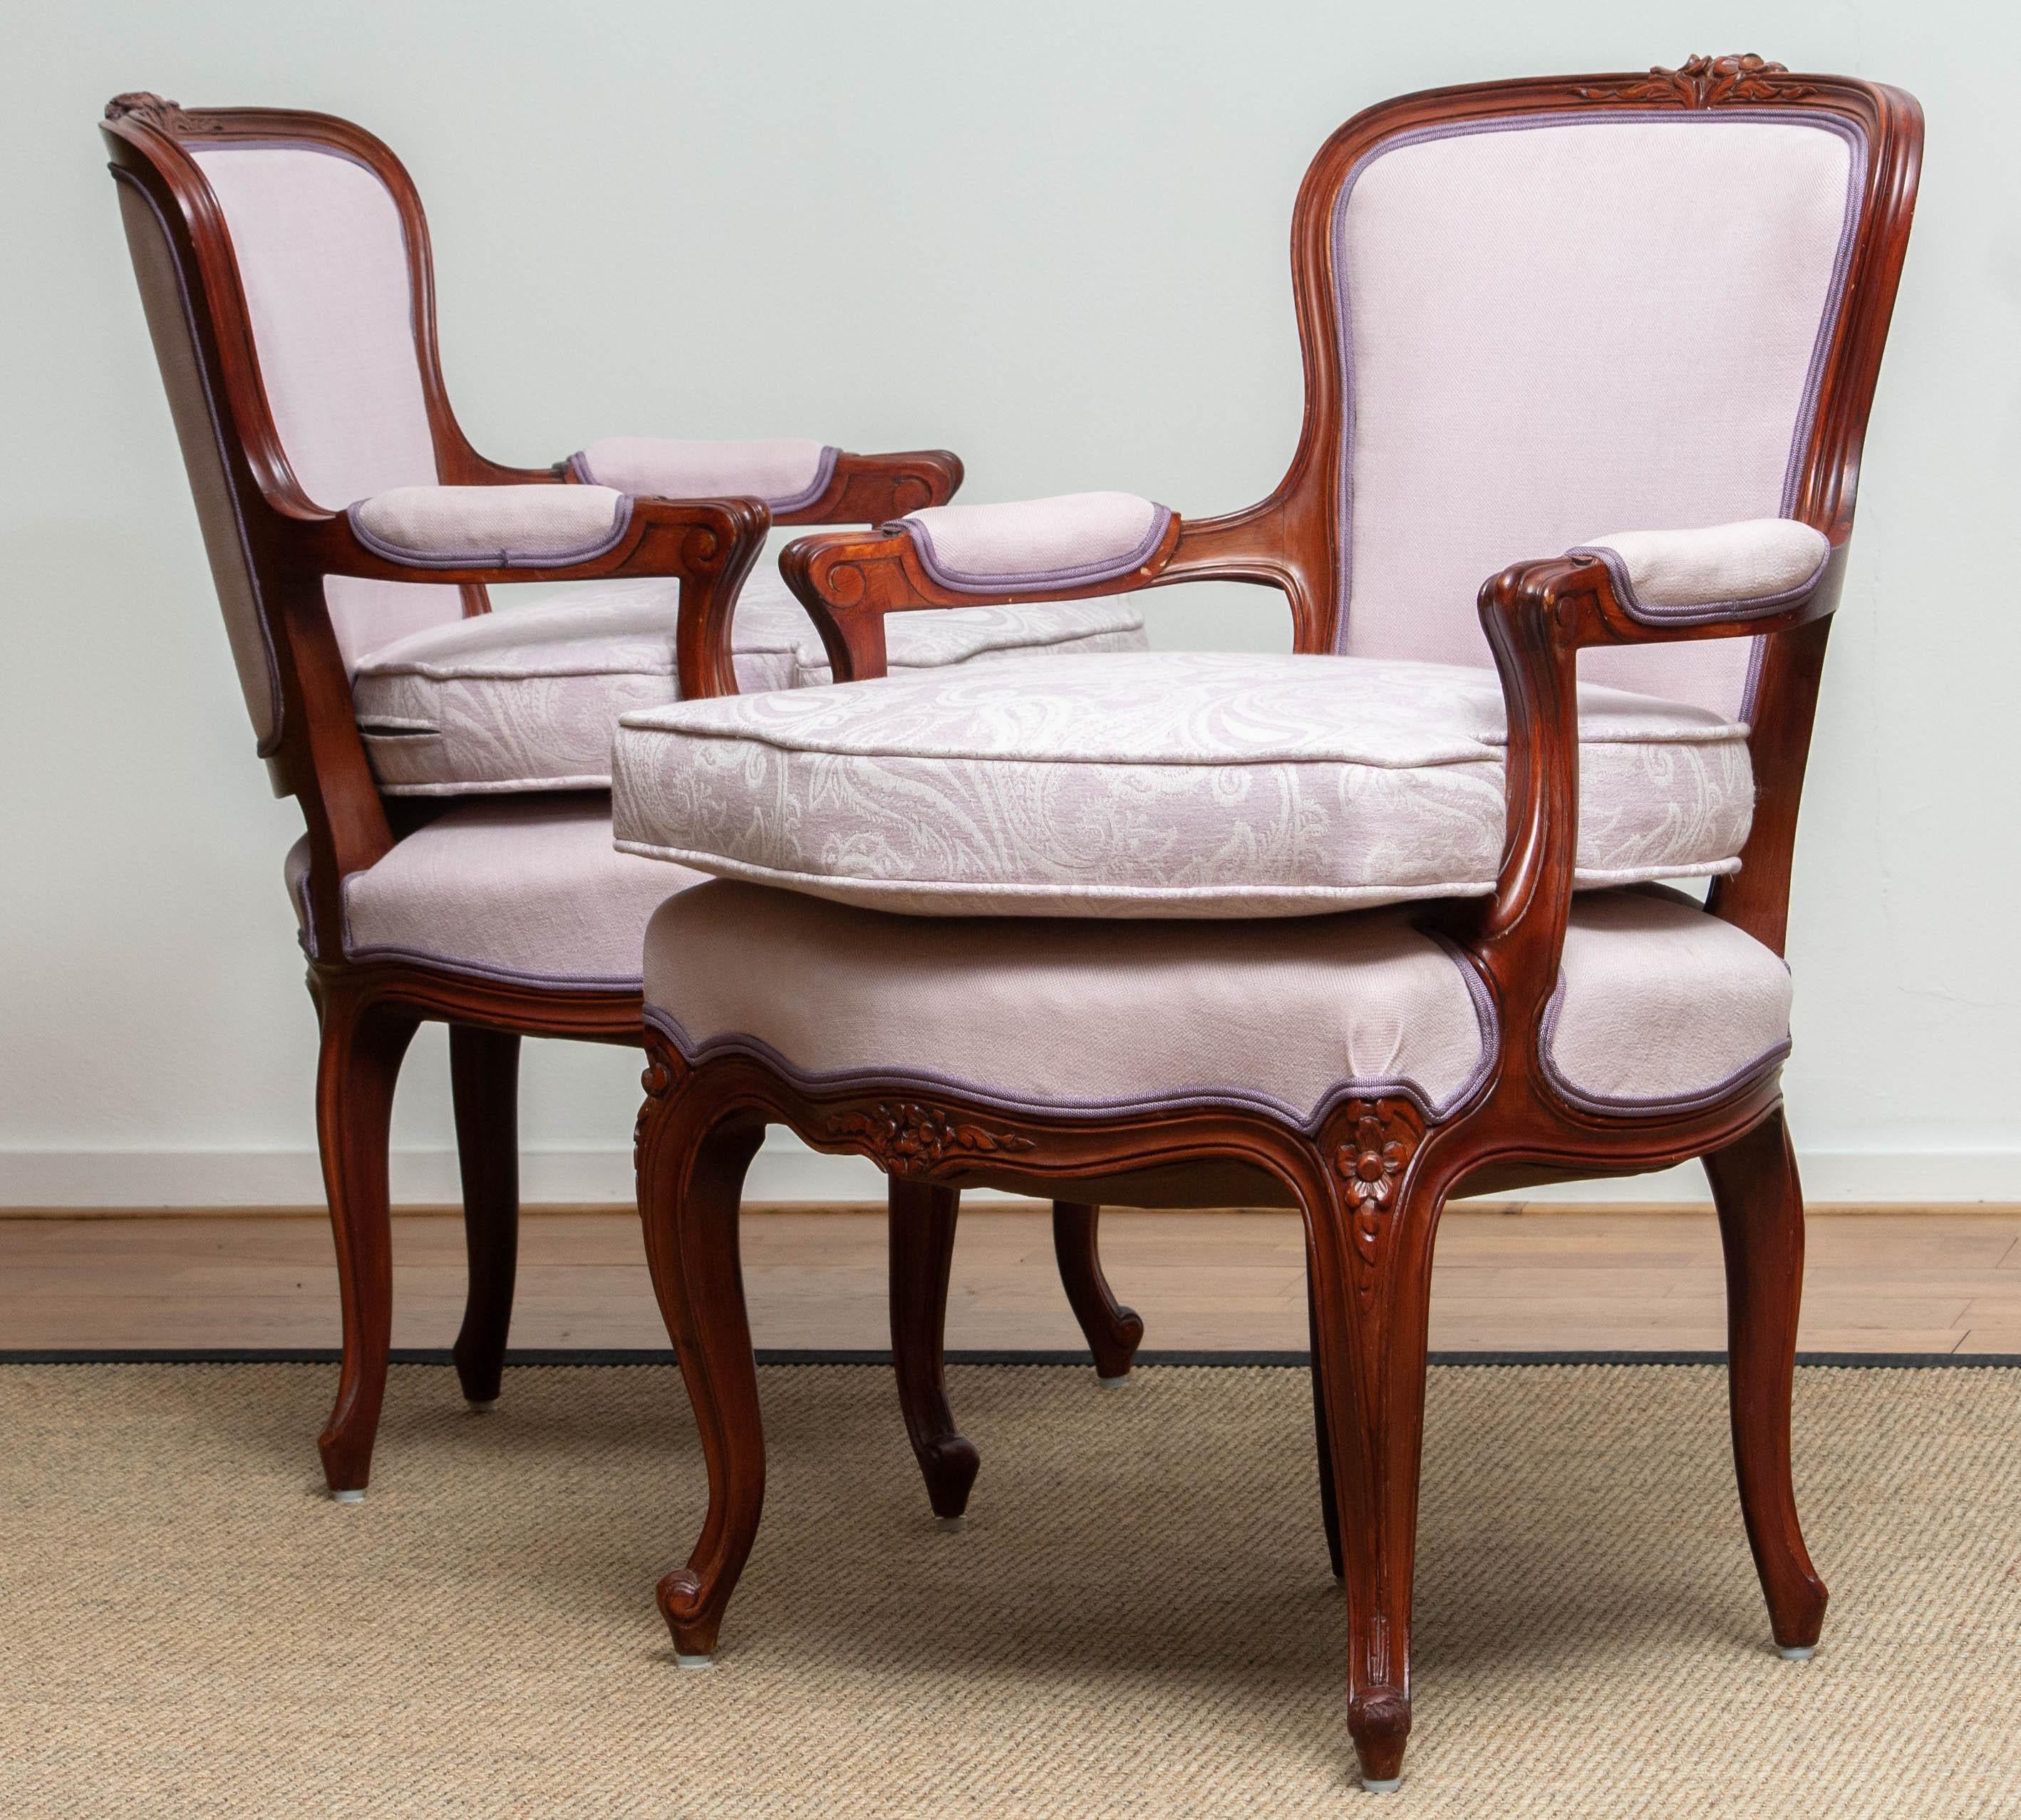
[792, 1356]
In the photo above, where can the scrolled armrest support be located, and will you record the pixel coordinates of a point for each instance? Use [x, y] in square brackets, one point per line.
[867, 489]
[848, 581]
[1538, 616]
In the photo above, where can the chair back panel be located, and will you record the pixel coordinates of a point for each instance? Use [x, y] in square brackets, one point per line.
[201, 433]
[322, 261]
[1554, 326]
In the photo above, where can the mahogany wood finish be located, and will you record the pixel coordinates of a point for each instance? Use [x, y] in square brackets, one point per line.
[1372, 1176]
[1113, 1332]
[922, 1219]
[484, 1087]
[291, 543]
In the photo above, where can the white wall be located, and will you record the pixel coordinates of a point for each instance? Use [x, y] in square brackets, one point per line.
[1051, 237]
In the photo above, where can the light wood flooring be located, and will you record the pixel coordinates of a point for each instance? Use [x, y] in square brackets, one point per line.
[1517, 1279]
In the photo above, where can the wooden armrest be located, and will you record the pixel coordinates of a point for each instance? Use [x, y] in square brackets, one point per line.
[848, 581]
[846, 490]
[1538, 616]
[686, 540]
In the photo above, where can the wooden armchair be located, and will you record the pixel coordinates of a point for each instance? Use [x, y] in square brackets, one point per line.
[1366, 928]
[452, 768]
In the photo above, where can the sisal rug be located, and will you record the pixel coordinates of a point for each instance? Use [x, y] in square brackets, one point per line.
[1137, 1620]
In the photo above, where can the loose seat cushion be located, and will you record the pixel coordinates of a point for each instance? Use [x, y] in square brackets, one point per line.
[1660, 1001]
[1160, 784]
[527, 697]
[528, 890]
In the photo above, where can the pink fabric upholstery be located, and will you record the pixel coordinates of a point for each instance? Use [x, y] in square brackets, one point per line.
[509, 527]
[786, 474]
[1684, 575]
[1660, 1003]
[1073, 540]
[1072, 1013]
[527, 697]
[1660, 377]
[1160, 783]
[323, 263]
[517, 889]
[169, 323]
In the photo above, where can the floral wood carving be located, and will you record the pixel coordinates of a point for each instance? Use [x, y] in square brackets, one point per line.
[164, 116]
[1707, 81]
[659, 1081]
[1371, 1164]
[909, 1139]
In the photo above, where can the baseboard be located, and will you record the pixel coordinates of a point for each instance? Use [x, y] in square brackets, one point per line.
[786, 1171]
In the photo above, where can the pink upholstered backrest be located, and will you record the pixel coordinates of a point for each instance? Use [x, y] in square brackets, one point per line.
[190, 399]
[323, 260]
[1551, 329]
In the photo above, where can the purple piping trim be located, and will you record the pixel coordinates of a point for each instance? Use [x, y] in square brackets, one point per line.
[578, 465]
[907, 1080]
[1105, 570]
[475, 970]
[271, 744]
[1856, 190]
[483, 970]
[1772, 1056]
[492, 559]
[322, 147]
[1698, 613]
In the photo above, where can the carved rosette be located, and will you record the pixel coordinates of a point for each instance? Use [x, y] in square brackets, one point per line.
[155, 111]
[1705, 81]
[1371, 1164]
[907, 1139]
[659, 1081]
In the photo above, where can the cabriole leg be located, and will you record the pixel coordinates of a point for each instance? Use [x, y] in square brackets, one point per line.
[1370, 1257]
[690, 1184]
[922, 1226]
[1113, 1332]
[363, 1045]
[484, 1084]
[1760, 1205]
[1329, 1502]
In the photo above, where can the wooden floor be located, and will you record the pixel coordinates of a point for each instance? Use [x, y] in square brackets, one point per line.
[1519, 1279]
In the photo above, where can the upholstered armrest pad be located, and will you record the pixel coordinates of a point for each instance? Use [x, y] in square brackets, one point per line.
[1721, 571]
[482, 527]
[788, 475]
[1035, 545]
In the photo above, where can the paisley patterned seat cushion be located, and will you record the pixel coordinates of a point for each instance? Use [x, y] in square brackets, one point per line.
[527, 697]
[1169, 783]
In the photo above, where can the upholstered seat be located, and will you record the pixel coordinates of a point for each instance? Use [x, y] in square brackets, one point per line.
[1169, 783]
[528, 890]
[527, 697]
[1658, 1003]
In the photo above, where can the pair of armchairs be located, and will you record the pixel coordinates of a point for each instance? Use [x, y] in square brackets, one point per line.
[1353, 931]
[453, 766]
[1388, 921]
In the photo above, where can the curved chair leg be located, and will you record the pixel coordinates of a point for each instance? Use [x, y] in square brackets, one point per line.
[1113, 1332]
[484, 1084]
[923, 1224]
[691, 1182]
[1760, 1205]
[1329, 1499]
[363, 1045]
[1371, 1280]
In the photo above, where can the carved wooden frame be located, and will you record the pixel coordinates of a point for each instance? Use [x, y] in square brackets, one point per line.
[368, 1010]
[1371, 1177]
